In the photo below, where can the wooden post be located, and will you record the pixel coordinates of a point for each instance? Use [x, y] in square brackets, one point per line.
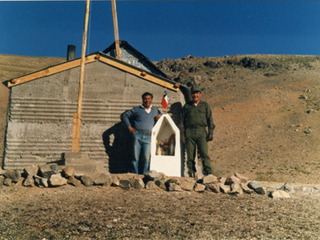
[115, 26]
[77, 116]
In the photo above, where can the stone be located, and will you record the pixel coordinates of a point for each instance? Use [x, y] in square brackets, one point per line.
[152, 175]
[56, 180]
[171, 185]
[68, 171]
[14, 175]
[209, 179]
[198, 187]
[232, 179]
[161, 184]
[260, 191]
[175, 180]
[303, 97]
[245, 188]
[7, 182]
[83, 229]
[254, 184]
[31, 170]
[78, 175]
[222, 180]
[124, 183]
[311, 111]
[213, 187]
[92, 171]
[224, 188]
[103, 180]
[241, 177]
[175, 188]
[279, 194]
[87, 181]
[188, 185]
[115, 182]
[137, 183]
[19, 183]
[2, 172]
[29, 181]
[307, 131]
[172, 181]
[138, 176]
[1, 180]
[235, 189]
[163, 176]
[150, 185]
[41, 182]
[74, 182]
[47, 170]
[287, 188]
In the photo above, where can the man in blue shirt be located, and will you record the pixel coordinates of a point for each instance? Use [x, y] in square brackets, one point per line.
[140, 121]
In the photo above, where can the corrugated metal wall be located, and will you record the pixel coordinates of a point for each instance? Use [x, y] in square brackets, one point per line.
[30, 149]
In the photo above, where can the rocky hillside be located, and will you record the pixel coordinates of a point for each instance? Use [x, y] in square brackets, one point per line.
[266, 110]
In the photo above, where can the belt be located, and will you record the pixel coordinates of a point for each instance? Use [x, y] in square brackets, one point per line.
[146, 133]
[196, 127]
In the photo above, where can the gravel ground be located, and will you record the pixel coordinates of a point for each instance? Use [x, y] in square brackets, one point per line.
[113, 213]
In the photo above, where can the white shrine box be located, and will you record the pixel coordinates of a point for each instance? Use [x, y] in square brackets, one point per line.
[165, 147]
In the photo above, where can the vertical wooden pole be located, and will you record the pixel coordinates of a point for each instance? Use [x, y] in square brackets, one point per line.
[77, 116]
[115, 26]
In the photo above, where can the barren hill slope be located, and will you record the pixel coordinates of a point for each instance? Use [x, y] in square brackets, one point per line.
[264, 129]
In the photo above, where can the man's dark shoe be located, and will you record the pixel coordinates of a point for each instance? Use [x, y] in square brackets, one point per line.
[207, 172]
[191, 175]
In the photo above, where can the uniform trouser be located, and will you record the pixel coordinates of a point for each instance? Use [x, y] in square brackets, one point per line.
[197, 137]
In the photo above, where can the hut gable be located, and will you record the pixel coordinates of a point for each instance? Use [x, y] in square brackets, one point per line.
[98, 56]
[42, 104]
[133, 57]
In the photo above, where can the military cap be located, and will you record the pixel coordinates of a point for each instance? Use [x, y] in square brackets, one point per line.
[195, 89]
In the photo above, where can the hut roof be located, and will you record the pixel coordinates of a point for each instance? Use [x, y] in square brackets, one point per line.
[131, 55]
[147, 71]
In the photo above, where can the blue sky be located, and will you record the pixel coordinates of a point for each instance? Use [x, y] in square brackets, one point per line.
[163, 29]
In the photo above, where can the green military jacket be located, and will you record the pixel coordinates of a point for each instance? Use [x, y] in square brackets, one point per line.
[196, 116]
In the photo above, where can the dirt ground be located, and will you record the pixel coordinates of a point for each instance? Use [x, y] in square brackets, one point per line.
[113, 213]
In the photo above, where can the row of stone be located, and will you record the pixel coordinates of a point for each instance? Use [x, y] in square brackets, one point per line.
[49, 175]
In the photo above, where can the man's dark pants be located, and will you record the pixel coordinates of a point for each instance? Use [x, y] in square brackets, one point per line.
[197, 137]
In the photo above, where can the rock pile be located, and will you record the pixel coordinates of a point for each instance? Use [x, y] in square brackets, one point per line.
[49, 175]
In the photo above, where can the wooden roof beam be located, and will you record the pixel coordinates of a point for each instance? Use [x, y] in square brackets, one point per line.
[141, 74]
[49, 71]
[76, 63]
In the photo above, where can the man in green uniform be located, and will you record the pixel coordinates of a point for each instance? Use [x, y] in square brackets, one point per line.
[195, 116]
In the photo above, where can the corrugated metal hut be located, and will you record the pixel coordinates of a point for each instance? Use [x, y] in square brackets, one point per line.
[42, 104]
